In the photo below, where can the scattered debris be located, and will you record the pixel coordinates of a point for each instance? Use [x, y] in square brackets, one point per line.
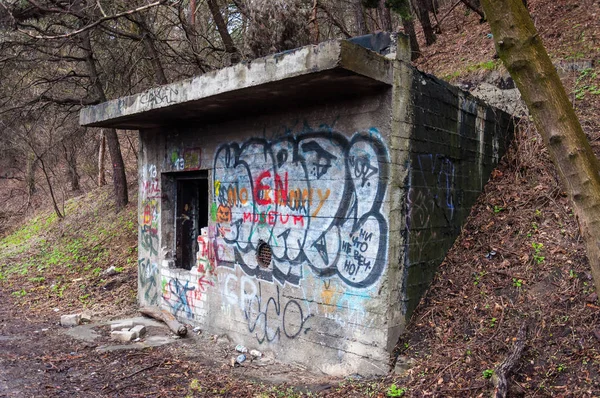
[597, 333]
[123, 335]
[403, 365]
[256, 353]
[167, 318]
[110, 271]
[241, 348]
[140, 330]
[70, 320]
[241, 358]
[592, 298]
[491, 255]
[505, 368]
[86, 317]
[121, 325]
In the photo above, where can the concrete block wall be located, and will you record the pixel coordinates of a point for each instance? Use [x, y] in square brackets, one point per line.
[313, 184]
[456, 141]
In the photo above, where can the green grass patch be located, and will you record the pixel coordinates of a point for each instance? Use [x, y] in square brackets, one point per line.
[486, 65]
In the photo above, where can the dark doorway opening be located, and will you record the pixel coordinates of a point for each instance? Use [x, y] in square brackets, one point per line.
[191, 215]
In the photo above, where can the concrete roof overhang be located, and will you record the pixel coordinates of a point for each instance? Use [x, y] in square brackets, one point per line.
[307, 75]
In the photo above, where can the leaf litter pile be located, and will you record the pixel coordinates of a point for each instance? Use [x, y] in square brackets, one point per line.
[518, 263]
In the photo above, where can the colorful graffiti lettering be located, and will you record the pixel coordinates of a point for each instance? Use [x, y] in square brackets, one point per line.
[179, 296]
[187, 159]
[315, 199]
[205, 257]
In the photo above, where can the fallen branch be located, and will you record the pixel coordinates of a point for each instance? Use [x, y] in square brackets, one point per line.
[167, 318]
[142, 370]
[503, 370]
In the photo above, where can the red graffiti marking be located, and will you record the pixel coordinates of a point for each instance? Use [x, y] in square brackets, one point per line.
[271, 218]
[262, 191]
[151, 189]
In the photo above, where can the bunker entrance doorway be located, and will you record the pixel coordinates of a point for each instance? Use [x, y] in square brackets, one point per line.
[191, 216]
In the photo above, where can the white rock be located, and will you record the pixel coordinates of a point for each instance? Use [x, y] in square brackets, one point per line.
[121, 325]
[139, 329]
[70, 320]
[124, 336]
[110, 271]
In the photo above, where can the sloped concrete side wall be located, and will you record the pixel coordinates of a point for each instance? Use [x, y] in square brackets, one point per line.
[313, 184]
[456, 142]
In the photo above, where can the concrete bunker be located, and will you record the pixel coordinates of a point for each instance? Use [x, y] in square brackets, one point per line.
[300, 203]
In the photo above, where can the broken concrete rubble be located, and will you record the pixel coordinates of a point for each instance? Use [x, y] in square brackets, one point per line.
[123, 335]
[140, 330]
[121, 325]
[70, 320]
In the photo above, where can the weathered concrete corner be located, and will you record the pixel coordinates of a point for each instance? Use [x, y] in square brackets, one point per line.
[301, 203]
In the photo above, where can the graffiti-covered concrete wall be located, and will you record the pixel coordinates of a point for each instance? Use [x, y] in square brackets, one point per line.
[301, 203]
[314, 187]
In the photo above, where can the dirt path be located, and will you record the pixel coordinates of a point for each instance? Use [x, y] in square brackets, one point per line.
[39, 359]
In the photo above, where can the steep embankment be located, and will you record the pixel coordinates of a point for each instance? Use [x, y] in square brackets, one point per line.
[49, 263]
[520, 259]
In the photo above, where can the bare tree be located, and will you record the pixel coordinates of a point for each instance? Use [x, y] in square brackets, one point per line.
[422, 8]
[521, 49]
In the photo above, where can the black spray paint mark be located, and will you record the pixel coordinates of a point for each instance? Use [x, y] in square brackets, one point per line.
[267, 320]
[147, 273]
[313, 198]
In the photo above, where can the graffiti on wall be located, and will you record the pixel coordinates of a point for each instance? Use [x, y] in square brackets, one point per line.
[179, 295]
[432, 196]
[147, 274]
[185, 159]
[149, 221]
[269, 316]
[315, 199]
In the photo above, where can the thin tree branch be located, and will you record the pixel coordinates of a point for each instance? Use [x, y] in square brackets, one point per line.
[96, 23]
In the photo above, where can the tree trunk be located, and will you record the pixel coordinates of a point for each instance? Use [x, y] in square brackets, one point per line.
[71, 160]
[30, 174]
[149, 42]
[54, 203]
[112, 140]
[314, 23]
[385, 16]
[192, 12]
[359, 15]
[223, 31]
[409, 29]
[520, 48]
[119, 178]
[101, 156]
[423, 14]
[475, 5]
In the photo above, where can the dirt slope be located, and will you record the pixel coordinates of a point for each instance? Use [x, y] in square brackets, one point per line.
[520, 259]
